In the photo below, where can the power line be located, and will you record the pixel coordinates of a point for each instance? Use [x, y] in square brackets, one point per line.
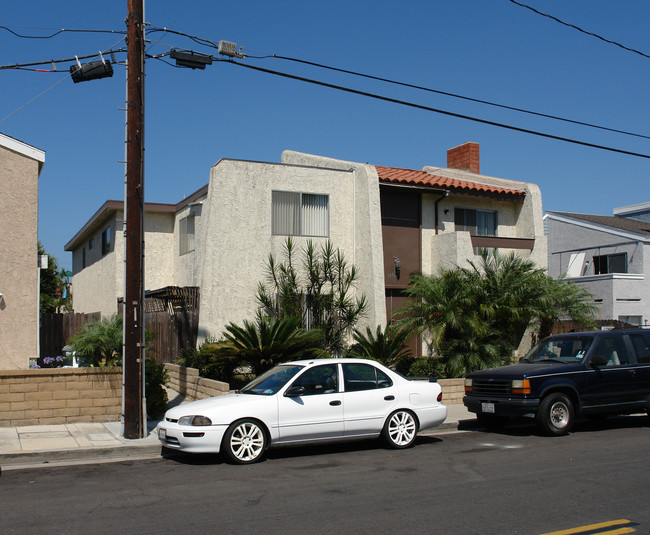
[213, 44]
[210, 43]
[435, 110]
[609, 41]
[32, 100]
[439, 92]
[64, 60]
[57, 32]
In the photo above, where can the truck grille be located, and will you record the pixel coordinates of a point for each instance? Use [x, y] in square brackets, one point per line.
[495, 387]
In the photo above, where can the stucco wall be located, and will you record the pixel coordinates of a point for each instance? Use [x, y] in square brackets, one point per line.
[19, 273]
[365, 218]
[186, 267]
[516, 219]
[236, 234]
[96, 287]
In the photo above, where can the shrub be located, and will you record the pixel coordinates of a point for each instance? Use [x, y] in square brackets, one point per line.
[427, 367]
[155, 377]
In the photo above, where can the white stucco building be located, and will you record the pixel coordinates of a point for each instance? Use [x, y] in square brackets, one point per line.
[388, 222]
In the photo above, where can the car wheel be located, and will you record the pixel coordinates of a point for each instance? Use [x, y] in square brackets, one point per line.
[555, 414]
[400, 429]
[492, 421]
[244, 442]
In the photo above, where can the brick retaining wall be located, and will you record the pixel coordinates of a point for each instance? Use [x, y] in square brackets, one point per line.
[59, 396]
[453, 391]
[186, 381]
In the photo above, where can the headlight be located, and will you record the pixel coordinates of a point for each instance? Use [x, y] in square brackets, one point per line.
[194, 420]
[468, 386]
[521, 386]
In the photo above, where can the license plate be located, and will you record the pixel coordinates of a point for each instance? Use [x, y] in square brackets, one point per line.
[162, 434]
[487, 407]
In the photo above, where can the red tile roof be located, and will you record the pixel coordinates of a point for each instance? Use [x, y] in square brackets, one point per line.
[395, 175]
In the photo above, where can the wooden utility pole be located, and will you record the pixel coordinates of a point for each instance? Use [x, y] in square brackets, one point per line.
[133, 310]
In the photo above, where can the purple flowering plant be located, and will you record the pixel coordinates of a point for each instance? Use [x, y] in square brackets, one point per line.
[53, 362]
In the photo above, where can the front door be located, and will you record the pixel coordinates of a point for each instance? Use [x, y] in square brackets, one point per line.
[613, 381]
[315, 414]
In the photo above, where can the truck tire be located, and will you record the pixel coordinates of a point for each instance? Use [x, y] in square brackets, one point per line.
[555, 414]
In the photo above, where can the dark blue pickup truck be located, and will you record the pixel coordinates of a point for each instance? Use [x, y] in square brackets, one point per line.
[564, 376]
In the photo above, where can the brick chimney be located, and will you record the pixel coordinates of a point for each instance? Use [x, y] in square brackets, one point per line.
[465, 157]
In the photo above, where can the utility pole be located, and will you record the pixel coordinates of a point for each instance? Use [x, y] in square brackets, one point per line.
[134, 412]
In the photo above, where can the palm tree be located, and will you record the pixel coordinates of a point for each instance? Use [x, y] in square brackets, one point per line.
[511, 293]
[387, 346]
[101, 342]
[266, 342]
[475, 317]
[566, 300]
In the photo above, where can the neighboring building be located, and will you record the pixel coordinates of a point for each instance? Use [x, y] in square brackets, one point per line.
[388, 222]
[20, 167]
[608, 255]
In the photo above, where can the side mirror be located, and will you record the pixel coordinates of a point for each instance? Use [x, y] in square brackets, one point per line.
[295, 391]
[598, 360]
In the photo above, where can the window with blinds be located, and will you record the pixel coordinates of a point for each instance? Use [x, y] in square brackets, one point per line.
[477, 222]
[299, 214]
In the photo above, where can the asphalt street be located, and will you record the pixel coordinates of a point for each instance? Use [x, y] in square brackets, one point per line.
[478, 482]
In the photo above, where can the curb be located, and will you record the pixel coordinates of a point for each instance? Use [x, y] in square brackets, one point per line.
[38, 459]
[80, 455]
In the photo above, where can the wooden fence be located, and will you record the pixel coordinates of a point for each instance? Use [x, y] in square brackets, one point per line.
[171, 332]
[56, 330]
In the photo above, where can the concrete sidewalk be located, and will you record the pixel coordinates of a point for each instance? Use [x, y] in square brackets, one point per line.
[82, 443]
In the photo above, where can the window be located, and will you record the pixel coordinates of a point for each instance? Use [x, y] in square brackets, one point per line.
[632, 320]
[83, 258]
[299, 214]
[319, 380]
[477, 222]
[106, 241]
[611, 351]
[641, 347]
[364, 377]
[186, 235]
[91, 243]
[610, 263]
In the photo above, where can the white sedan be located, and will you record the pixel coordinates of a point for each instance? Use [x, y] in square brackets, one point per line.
[306, 402]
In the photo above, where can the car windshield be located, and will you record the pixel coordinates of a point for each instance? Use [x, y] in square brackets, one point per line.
[271, 381]
[559, 349]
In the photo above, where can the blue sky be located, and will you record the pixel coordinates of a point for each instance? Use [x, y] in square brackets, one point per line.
[485, 49]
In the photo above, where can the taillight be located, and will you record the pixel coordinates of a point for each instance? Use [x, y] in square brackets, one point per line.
[521, 386]
[440, 397]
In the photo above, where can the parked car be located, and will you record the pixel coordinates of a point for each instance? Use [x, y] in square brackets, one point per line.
[306, 402]
[591, 374]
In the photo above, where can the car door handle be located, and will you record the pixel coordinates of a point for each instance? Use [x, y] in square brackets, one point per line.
[335, 403]
[389, 398]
